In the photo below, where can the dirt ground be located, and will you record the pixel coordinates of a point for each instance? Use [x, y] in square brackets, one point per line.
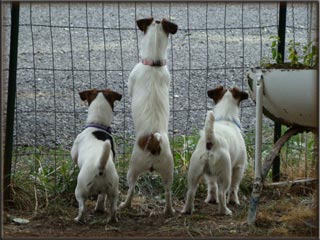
[281, 213]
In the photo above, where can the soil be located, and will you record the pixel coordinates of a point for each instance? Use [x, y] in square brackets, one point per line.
[280, 214]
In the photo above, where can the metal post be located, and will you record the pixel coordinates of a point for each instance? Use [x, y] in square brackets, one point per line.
[257, 185]
[11, 100]
[281, 50]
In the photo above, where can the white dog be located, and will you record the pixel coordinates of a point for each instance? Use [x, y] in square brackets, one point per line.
[93, 152]
[148, 86]
[220, 154]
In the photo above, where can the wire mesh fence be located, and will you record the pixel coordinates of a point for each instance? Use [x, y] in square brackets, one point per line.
[65, 48]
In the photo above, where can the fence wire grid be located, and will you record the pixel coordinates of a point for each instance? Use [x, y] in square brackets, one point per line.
[65, 48]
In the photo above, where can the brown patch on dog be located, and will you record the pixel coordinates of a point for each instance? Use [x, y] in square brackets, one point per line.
[238, 94]
[217, 93]
[111, 96]
[144, 23]
[150, 143]
[90, 95]
[169, 27]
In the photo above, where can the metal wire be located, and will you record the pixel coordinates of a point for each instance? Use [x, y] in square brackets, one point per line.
[178, 71]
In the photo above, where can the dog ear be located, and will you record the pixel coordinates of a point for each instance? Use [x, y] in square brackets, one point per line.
[238, 94]
[169, 27]
[217, 93]
[111, 96]
[144, 23]
[88, 95]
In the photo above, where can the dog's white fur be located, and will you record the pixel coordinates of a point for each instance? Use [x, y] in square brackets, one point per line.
[94, 157]
[148, 86]
[224, 164]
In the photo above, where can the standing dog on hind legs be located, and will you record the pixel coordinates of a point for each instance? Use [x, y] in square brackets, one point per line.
[220, 154]
[148, 86]
[93, 152]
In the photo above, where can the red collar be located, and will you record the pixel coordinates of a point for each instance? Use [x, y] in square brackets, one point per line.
[157, 63]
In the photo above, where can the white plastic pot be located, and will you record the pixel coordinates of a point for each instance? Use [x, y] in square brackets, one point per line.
[290, 96]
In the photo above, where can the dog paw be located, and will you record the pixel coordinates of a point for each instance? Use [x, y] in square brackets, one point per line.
[186, 211]
[226, 212]
[123, 205]
[79, 220]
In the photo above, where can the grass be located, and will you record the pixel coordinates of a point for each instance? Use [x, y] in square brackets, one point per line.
[44, 176]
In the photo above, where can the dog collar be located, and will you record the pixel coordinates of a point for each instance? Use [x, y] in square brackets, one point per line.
[99, 126]
[236, 122]
[157, 63]
[107, 130]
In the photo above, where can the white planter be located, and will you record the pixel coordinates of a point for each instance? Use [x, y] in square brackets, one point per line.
[289, 96]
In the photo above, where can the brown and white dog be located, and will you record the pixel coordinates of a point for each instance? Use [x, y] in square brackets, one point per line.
[220, 154]
[148, 86]
[93, 152]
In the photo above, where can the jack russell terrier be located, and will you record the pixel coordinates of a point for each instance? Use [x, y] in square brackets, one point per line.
[220, 154]
[93, 151]
[148, 86]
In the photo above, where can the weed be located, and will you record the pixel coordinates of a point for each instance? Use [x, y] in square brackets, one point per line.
[307, 59]
[45, 178]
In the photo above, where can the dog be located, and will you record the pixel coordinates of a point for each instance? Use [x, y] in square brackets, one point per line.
[148, 87]
[220, 154]
[93, 151]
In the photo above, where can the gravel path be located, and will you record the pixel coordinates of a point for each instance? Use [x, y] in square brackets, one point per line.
[84, 48]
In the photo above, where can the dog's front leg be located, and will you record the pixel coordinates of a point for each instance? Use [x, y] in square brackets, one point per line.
[212, 195]
[113, 200]
[100, 205]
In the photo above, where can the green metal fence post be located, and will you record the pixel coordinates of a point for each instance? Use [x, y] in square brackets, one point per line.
[11, 101]
[281, 50]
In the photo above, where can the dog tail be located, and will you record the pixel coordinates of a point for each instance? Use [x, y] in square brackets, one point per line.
[151, 143]
[208, 130]
[106, 148]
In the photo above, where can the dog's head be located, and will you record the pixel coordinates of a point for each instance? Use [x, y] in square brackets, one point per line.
[219, 93]
[92, 94]
[164, 25]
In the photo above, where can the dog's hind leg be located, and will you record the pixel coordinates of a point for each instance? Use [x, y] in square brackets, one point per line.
[237, 174]
[132, 176]
[222, 207]
[166, 173]
[81, 198]
[224, 180]
[194, 173]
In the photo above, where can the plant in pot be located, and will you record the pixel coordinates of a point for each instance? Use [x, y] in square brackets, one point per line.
[287, 94]
[290, 88]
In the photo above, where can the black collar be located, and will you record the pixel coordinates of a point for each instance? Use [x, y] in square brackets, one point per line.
[99, 126]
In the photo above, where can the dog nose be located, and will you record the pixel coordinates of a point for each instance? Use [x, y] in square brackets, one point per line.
[157, 22]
